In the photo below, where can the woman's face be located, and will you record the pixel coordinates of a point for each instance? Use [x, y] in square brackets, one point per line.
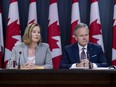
[36, 34]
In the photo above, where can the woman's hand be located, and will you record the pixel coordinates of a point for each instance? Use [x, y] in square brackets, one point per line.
[31, 66]
[27, 66]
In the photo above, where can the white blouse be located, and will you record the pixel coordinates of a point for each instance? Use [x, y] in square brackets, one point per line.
[31, 60]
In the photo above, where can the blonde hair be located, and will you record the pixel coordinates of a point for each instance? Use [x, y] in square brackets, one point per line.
[27, 34]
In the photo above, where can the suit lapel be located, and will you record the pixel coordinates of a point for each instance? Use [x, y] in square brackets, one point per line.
[90, 49]
[25, 49]
[76, 52]
[38, 53]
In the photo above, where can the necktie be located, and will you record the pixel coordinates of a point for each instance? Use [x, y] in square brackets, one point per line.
[83, 55]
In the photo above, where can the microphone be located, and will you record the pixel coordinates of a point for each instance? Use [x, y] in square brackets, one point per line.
[110, 67]
[19, 60]
[90, 65]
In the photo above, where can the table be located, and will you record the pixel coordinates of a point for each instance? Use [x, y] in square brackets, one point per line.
[58, 78]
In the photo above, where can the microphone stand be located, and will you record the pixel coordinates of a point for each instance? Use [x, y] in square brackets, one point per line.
[19, 60]
[90, 65]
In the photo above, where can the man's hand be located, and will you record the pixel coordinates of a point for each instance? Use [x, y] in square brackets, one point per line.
[83, 63]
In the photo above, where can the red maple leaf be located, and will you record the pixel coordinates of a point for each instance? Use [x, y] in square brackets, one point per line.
[114, 37]
[1, 55]
[53, 30]
[94, 30]
[13, 29]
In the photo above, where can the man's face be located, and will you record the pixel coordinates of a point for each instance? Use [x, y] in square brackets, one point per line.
[82, 36]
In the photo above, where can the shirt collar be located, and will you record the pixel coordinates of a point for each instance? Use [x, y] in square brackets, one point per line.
[80, 47]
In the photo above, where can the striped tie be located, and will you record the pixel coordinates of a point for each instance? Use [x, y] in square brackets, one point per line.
[83, 55]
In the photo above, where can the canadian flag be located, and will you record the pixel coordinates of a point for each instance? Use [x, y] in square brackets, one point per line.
[32, 18]
[1, 39]
[75, 19]
[95, 24]
[13, 33]
[114, 37]
[54, 39]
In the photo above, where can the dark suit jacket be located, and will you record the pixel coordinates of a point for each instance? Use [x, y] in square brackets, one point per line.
[71, 55]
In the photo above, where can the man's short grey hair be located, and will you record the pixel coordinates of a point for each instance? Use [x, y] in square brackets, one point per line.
[78, 26]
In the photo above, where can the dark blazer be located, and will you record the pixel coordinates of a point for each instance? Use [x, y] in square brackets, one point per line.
[42, 57]
[71, 55]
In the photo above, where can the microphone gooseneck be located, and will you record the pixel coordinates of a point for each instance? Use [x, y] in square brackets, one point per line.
[19, 60]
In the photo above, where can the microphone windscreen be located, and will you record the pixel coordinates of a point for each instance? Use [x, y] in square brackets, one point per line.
[20, 52]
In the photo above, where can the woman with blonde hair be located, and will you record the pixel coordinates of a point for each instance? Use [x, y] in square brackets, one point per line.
[32, 53]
